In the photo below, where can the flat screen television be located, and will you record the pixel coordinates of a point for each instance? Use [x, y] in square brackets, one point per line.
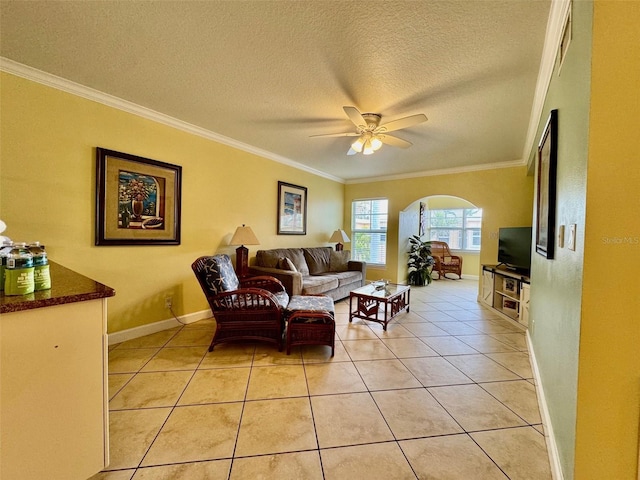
[514, 248]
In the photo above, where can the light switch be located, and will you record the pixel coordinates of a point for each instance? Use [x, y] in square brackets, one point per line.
[572, 237]
[561, 236]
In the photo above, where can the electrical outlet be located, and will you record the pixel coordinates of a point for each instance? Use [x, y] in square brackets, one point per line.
[572, 237]
[168, 302]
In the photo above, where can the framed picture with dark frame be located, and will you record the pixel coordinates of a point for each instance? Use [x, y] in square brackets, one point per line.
[137, 200]
[292, 209]
[546, 191]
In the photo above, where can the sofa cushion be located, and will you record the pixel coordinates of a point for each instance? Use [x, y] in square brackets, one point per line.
[345, 278]
[297, 257]
[315, 284]
[285, 264]
[318, 259]
[270, 258]
[339, 261]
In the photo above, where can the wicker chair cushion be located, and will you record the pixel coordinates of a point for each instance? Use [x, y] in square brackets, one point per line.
[283, 298]
[219, 274]
[311, 303]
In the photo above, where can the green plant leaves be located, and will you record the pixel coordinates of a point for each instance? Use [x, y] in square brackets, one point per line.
[420, 262]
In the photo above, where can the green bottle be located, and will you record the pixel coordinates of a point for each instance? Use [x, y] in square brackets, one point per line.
[41, 275]
[126, 217]
[4, 254]
[18, 274]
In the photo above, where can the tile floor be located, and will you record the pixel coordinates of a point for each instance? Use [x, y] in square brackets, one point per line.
[446, 393]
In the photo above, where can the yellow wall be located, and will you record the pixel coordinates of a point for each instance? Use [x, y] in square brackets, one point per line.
[47, 193]
[505, 196]
[608, 402]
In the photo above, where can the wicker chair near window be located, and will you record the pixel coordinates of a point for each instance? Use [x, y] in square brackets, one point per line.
[246, 309]
[445, 262]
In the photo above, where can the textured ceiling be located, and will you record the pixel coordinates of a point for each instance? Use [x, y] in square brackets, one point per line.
[270, 74]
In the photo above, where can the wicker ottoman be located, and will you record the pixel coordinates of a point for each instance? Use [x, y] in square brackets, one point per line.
[310, 321]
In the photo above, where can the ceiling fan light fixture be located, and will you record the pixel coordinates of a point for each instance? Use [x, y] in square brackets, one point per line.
[371, 135]
[368, 148]
[358, 144]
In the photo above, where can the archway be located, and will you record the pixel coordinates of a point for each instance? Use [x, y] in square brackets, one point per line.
[410, 222]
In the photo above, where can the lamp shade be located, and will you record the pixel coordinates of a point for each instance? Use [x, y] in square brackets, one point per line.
[244, 236]
[339, 236]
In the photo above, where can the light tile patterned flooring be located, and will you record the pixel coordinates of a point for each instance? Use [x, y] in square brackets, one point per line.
[446, 393]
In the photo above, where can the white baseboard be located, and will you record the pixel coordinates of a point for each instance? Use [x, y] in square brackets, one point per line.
[142, 330]
[552, 447]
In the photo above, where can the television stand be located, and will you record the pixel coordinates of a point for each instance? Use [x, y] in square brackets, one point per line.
[510, 268]
[507, 292]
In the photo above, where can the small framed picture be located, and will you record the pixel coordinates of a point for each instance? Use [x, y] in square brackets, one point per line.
[510, 305]
[509, 285]
[292, 209]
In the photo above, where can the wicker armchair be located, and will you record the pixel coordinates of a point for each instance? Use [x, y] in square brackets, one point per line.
[445, 262]
[244, 309]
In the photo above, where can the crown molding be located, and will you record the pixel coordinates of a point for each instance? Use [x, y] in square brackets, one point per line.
[443, 171]
[59, 83]
[555, 25]
[77, 89]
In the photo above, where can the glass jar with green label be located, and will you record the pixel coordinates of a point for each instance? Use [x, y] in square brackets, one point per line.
[18, 274]
[4, 255]
[41, 275]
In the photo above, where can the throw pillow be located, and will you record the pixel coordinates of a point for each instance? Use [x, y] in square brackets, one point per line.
[286, 264]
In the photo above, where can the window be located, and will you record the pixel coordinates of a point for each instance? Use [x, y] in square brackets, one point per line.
[459, 227]
[369, 230]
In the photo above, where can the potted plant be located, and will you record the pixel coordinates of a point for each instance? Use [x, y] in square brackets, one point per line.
[420, 262]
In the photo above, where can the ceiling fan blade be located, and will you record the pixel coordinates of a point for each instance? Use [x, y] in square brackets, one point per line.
[402, 123]
[351, 152]
[394, 141]
[345, 134]
[355, 116]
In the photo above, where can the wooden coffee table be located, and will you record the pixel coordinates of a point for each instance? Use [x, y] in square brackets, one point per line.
[378, 304]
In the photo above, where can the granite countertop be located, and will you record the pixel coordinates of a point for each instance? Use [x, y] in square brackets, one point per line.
[67, 286]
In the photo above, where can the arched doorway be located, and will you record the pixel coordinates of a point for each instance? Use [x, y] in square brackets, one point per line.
[463, 238]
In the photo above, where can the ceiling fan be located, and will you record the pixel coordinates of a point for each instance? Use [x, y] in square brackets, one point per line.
[371, 135]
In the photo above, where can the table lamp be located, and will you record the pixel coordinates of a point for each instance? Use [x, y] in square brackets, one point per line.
[243, 236]
[341, 237]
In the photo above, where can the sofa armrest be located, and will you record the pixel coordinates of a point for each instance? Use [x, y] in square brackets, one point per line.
[357, 266]
[292, 281]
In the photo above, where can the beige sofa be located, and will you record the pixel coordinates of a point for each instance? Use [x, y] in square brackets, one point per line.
[311, 271]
